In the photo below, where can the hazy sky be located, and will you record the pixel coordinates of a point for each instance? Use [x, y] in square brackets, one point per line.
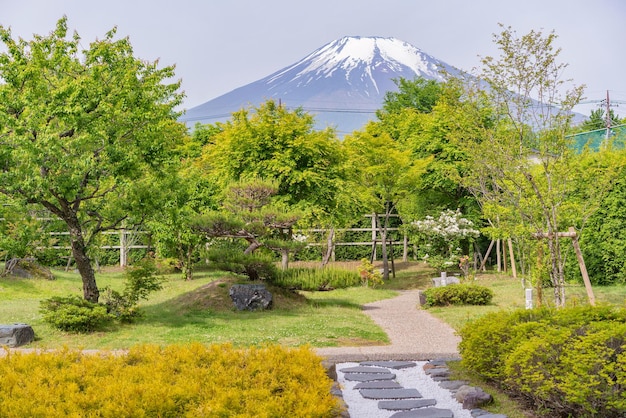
[219, 45]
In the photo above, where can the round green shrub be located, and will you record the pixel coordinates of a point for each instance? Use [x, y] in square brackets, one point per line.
[458, 294]
[74, 314]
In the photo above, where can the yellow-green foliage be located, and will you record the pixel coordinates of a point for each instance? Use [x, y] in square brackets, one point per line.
[567, 362]
[175, 381]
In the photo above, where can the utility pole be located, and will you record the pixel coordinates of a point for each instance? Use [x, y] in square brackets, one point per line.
[608, 116]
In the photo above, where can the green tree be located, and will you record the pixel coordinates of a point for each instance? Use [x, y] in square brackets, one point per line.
[421, 116]
[249, 212]
[524, 171]
[274, 143]
[86, 133]
[384, 174]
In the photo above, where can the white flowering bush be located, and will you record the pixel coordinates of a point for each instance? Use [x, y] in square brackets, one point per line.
[440, 239]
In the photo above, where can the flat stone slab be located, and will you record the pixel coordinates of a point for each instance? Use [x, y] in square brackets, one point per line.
[364, 369]
[390, 393]
[425, 413]
[390, 364]
[452, 384]
[368, 377]
[378, 384]
[437, 371]
[406, 404]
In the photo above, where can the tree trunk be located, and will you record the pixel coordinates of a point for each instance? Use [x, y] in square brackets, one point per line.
[254, 245]
[383, 237]
[188, 269]
[83, 263]
[329, 247]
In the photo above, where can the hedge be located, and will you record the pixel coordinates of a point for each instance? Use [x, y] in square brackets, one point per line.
[566, 362]
[175, 381]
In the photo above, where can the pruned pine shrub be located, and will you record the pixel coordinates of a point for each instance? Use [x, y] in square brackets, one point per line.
[175, 381]
[458, 294]
[326, 278]
[567, 362]
[254, 266]
[74, 314]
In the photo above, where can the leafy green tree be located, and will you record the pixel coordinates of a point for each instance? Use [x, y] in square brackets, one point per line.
[421, 116]
[523, 170]
[86, 133]
[384, 174]
[278, 144]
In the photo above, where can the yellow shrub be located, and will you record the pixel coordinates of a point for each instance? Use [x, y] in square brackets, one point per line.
[175, 381]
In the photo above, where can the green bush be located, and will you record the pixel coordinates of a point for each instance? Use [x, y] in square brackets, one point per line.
[458, 294]
[255, 266]
[139, 281]
[326, 278]
[567, 362]
[74, 314]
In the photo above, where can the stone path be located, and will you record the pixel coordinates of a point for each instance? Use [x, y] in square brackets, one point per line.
[420, 345]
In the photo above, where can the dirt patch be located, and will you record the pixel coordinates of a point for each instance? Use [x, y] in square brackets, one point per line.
[215, 296]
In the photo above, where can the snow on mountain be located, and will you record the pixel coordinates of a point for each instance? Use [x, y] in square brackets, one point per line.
[342, 83]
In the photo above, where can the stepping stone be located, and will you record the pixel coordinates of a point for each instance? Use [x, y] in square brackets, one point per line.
[390, 364]
[362, 369]
[452, 384]
[406, 404]
[390, 393]
[368, 377]
[378, 384]
[438, 371]
[425, 413]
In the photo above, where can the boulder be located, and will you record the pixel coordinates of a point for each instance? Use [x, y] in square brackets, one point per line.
[472, 397]
[16, 335]
[251, 297]
[27, 268]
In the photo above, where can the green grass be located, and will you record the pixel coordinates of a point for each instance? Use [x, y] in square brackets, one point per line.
[200, 310]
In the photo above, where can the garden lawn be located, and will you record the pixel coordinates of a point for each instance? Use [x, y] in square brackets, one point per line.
[200, 310]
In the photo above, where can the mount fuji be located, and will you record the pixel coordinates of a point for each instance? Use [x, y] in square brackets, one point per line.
[342, 83]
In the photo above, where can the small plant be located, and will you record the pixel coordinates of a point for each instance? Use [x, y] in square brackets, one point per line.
[369, 275]
[140, 281]
[458, 294]
[464, 265]
[326, 278]
[74, 314]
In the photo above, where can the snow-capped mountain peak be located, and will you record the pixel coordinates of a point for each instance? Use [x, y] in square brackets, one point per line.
[342, 83]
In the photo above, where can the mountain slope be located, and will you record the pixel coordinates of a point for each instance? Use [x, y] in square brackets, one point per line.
[342, 83]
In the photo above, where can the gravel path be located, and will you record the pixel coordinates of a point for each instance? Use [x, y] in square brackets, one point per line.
[414, 334]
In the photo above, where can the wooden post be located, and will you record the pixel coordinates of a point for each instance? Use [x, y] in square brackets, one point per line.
[498, 259]
[512, 257]
[482, 264]
[123, 250]
[405, 249]
[583, 268]
[571, 233]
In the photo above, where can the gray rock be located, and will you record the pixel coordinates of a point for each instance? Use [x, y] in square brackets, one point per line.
[437, 371]
[250, 297]
[393, 364]
[472, 397]
[364, 369]
[27, 268]
[406, 404]
[452, 384]
[378, 384]
[390, 393]
[425, 413]
[16, 335]
[368, 377]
